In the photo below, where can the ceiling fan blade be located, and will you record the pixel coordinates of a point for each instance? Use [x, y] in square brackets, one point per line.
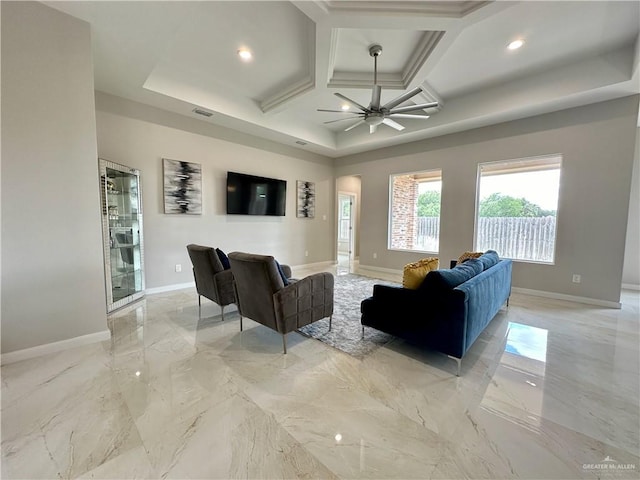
[351, 102]
[341, 119]
[413, 108]
[407, 115]
[373, 128]
[392, 124]
[375, 97]
[402, 98]
[336, 111]
[358, 123]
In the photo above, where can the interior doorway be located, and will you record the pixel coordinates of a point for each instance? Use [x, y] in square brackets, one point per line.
[346, 232]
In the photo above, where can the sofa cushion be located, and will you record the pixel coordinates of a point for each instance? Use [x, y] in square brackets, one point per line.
[489, 259]
[474, 263]
[414, 273]
[444, 280]
[468, 255]
[224, 260]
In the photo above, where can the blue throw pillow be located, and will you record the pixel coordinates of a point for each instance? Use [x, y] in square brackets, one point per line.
[489, 259]
[224, 260]
[476, 264]
[285, 280]
[443, 280]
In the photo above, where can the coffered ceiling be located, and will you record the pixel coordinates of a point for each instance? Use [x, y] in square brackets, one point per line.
[182, 55]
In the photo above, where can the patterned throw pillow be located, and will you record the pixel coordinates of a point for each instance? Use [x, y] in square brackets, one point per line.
[414, 273]
[467, 256]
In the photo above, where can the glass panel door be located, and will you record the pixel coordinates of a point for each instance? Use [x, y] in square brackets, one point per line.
[122, 230]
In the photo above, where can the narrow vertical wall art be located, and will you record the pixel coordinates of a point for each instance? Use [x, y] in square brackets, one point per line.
[306, 199]
[182, 187]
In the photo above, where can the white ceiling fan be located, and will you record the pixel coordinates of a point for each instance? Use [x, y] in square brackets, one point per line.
[375, 114]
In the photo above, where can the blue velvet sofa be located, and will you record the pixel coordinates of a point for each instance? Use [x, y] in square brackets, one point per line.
[448, 311]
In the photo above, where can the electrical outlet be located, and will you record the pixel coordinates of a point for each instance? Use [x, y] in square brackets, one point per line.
[306, 253]
[178, 267]
[576, 278]
[375, 255]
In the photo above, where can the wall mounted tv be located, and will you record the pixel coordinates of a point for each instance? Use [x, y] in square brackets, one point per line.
[251, 195]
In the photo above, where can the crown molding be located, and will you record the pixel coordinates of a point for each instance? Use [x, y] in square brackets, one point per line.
[401, 80]
[302, 86]
[454, 9]
[428, 43]
[283, 96]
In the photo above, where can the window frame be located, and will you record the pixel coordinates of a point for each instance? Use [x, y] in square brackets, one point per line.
[532, 159]
[390, 209]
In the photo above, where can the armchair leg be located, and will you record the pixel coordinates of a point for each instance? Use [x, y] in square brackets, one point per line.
[284, 343]
[199, 306]
[330, 318]
[222, 310]
[363, 332]
[240, 322]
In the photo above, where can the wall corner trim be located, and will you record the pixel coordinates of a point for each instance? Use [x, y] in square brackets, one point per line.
[54, 347]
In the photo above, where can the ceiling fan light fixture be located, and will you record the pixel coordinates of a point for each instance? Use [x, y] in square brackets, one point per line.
[516, 44]
[373, 119]
[376, 114]
[245, 54]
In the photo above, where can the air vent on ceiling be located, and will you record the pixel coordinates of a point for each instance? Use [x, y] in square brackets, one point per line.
[299, 142]
[202, 111]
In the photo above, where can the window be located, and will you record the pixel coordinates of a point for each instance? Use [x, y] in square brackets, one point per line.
[344, 218]
[415, 211]
[516, 214]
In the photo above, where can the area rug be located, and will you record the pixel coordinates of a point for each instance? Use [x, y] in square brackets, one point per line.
[346, 330]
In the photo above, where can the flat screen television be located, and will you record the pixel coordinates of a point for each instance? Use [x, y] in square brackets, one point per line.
[252, 195]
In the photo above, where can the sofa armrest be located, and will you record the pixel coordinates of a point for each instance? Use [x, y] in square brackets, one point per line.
[304, 302]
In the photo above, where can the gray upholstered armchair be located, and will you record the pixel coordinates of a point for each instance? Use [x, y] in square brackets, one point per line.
[212, 280]
[264, 298]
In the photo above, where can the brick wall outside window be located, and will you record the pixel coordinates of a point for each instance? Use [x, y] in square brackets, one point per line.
[404, 211]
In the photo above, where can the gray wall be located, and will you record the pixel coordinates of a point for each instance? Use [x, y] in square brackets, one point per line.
[597, 144]
[52, 264]
[140, 136]
[631, 270]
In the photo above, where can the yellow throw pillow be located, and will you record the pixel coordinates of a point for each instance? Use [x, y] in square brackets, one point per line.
[414, 273]
[467, 256]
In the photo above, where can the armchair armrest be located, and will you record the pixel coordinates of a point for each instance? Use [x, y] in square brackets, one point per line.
[304, 302]
[224, 285]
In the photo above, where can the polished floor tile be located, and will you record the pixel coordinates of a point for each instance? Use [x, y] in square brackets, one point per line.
[550, 390]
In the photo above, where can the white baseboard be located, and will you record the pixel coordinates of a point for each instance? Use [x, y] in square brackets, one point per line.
[380, 269]
[571, 298]
[630, 286]
[169, 288]
[313, 265]
[54, 347]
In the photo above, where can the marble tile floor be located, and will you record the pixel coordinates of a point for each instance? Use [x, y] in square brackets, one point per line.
[549, 391]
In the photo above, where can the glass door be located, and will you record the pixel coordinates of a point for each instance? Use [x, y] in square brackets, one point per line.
[122, 233]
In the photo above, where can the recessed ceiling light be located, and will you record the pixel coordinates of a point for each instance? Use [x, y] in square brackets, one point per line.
[345, 107]
[245, 54]
[516, 44]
